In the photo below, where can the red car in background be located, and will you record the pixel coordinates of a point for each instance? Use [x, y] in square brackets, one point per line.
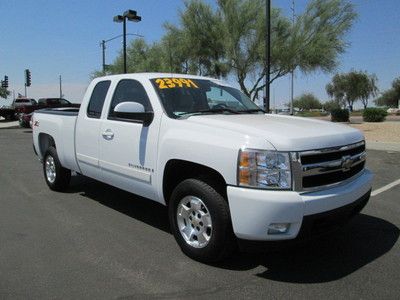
[10, 112]
[25, 112]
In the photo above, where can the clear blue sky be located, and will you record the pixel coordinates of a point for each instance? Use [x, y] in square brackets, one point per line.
[62, 37]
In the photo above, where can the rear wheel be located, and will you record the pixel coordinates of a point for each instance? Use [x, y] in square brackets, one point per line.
[200, 221]
[57, 177]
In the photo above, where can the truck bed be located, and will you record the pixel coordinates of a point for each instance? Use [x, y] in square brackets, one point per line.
[63, 111]
[59, 123]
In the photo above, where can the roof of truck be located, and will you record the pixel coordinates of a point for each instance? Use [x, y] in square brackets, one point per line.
[148, 76]
[151, 75]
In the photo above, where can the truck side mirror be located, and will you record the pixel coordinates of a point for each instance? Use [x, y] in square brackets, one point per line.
[133, 112]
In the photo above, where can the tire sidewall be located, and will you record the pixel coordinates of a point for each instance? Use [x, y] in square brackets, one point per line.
[62, 175]
[219, 212]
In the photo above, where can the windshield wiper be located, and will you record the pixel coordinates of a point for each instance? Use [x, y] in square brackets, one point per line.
[252, 110]
[212, 110]
[218, 110]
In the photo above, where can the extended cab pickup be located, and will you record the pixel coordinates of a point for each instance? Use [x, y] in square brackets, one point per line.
[227, 171]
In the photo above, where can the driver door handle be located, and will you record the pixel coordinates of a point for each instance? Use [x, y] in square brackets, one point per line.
[108, 134]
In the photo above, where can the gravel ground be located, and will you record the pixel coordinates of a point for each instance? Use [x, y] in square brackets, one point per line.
[386, 132]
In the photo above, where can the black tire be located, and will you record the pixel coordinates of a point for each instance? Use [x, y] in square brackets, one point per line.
[62, 175]
[222, 241]
[23, 124]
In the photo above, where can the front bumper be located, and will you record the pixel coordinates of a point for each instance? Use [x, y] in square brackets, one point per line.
[253, 210]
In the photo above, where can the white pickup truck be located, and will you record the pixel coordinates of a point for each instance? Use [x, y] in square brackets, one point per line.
[227, 171]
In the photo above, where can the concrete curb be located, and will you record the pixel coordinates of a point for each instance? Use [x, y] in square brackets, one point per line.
[7, 125]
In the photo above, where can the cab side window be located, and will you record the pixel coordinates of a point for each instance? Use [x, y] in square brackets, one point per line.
[129, 90]
[96, 101]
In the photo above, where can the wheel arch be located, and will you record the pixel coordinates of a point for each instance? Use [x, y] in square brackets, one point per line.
[177, 170]
[45, 142]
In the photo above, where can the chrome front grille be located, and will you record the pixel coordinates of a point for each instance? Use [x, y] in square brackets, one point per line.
[317, 169]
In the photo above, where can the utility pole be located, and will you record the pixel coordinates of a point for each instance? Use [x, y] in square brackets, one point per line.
[292, 73]
[267, 56]
[103, 47]
[170, 55]
[61, 94]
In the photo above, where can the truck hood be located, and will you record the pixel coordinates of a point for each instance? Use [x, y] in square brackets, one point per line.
[285, 133]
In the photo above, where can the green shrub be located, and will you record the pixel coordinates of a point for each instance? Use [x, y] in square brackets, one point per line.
[311, 114]
[374, 114]
[339, 115]
[331, 105]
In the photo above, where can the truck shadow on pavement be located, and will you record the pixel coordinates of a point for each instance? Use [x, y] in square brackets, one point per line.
[328, 258]
[144, 210]
[336, 255]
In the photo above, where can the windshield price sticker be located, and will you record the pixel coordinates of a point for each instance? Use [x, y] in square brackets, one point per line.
[170, 83]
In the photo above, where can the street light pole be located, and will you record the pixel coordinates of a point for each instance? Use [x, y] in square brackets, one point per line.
[129, 15]
[124, 33]
[292, 73]
[267, 57]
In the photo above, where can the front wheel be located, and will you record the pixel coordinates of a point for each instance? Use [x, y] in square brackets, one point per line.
[200, 221]
[57, 177]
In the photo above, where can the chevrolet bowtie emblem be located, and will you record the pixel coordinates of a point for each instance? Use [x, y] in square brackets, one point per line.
[347, 162]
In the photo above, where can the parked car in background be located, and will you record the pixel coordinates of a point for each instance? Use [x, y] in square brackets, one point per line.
[20, 102]
[25, 120]
[25, 112]
[7, 112]
[12, 112]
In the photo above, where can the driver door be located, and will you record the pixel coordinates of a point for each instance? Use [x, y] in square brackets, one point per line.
[128, 148]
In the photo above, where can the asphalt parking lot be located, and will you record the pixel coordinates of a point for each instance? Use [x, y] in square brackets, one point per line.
[98, 242]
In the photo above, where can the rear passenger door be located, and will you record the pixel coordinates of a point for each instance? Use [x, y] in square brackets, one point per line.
[88, 131]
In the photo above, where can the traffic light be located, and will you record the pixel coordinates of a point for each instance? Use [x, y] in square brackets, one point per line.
[27, 77]
[5, 82]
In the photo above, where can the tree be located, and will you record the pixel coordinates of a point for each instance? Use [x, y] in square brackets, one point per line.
[390, 97]
[346, 88]
[230, 39]
[4, 93]
[141, 57]
[313, 43]
[330, 105]
[367, 87]
[307, 101]
[202, 31]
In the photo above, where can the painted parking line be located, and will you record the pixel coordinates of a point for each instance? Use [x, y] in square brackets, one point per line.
[385, 188]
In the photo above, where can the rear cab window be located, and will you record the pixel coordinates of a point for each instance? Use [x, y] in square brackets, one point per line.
[97, 99]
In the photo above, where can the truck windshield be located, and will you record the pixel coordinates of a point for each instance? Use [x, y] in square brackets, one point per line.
[183, 97]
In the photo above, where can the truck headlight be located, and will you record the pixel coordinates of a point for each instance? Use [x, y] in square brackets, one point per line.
[264, 169]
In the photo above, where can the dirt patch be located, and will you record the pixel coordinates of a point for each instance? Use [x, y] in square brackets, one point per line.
[387, 132]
